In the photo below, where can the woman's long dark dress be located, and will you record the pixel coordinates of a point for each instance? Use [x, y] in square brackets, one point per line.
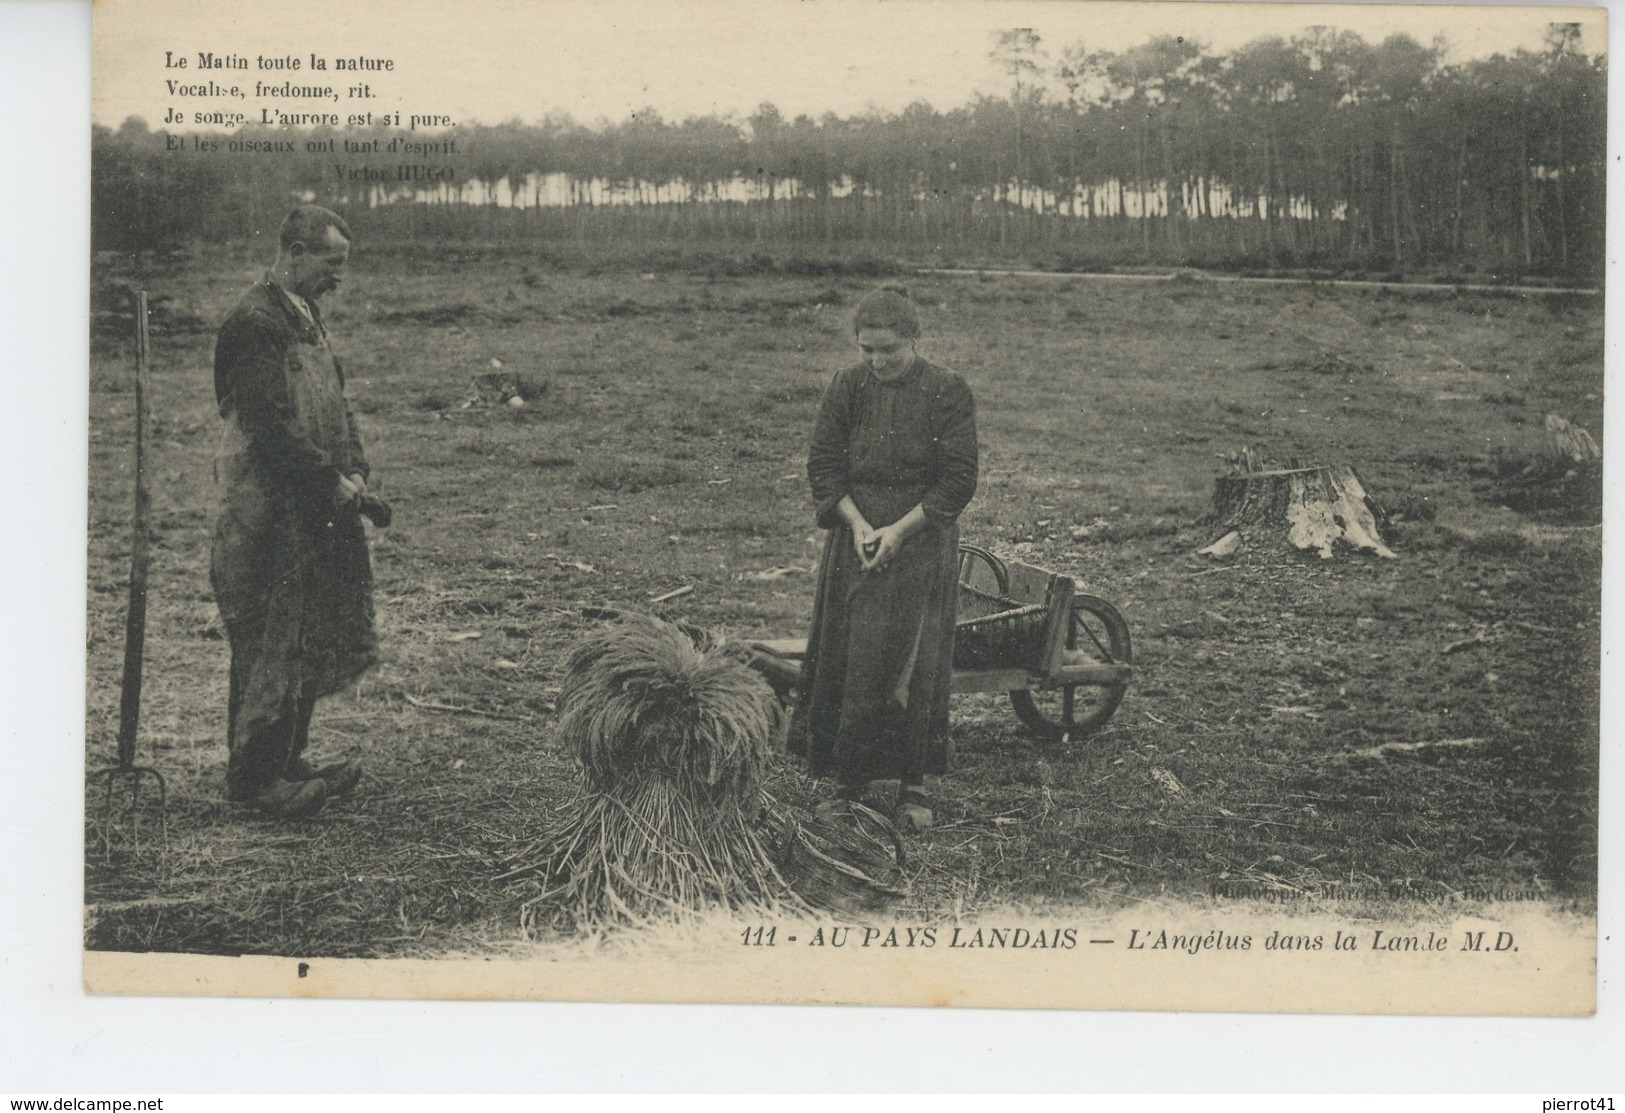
[879, 664]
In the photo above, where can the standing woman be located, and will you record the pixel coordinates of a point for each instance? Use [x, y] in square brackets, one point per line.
[892, 464]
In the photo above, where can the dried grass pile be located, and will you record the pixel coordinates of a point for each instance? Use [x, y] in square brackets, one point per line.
[672, 741]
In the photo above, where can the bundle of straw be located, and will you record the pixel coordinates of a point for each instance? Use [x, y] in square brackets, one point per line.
[672, 741]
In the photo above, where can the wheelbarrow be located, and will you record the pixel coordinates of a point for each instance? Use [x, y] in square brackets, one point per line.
[1062, 654]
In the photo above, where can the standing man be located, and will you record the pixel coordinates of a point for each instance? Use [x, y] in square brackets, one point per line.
[291, 571]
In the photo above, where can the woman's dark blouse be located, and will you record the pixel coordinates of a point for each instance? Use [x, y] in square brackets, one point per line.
[894, 445]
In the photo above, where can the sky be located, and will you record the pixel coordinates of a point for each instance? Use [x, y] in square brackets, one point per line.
[493, 60]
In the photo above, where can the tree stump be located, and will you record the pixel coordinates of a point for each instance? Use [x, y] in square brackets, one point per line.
[1571, 441]
[1318, 506]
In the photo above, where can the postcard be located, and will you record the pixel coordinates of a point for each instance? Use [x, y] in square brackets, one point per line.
[968, 503]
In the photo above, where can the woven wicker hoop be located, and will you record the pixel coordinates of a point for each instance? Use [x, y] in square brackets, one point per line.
[854, 868]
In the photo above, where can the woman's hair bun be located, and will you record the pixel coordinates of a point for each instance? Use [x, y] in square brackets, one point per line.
[887, 307]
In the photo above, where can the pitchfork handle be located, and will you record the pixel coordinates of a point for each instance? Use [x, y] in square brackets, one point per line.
[135, 625]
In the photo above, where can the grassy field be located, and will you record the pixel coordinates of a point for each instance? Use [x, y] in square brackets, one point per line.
[1428, 722]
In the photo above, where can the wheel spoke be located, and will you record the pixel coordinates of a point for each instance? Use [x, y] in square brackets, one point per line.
[1077, 623]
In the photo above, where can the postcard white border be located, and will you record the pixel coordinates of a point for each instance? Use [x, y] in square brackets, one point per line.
[53, 1037]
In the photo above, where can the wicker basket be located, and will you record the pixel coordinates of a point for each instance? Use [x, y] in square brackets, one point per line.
[996, 632]
[850, 864]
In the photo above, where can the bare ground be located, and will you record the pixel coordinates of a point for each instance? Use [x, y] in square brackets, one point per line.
[1428, 723]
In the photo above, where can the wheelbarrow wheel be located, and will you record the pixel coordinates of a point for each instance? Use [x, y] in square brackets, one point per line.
[1077, 710]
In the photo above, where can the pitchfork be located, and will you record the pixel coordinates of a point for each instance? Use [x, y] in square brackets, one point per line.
[135, 626]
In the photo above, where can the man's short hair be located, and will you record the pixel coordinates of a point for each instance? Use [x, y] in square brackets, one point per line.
[308, 224]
